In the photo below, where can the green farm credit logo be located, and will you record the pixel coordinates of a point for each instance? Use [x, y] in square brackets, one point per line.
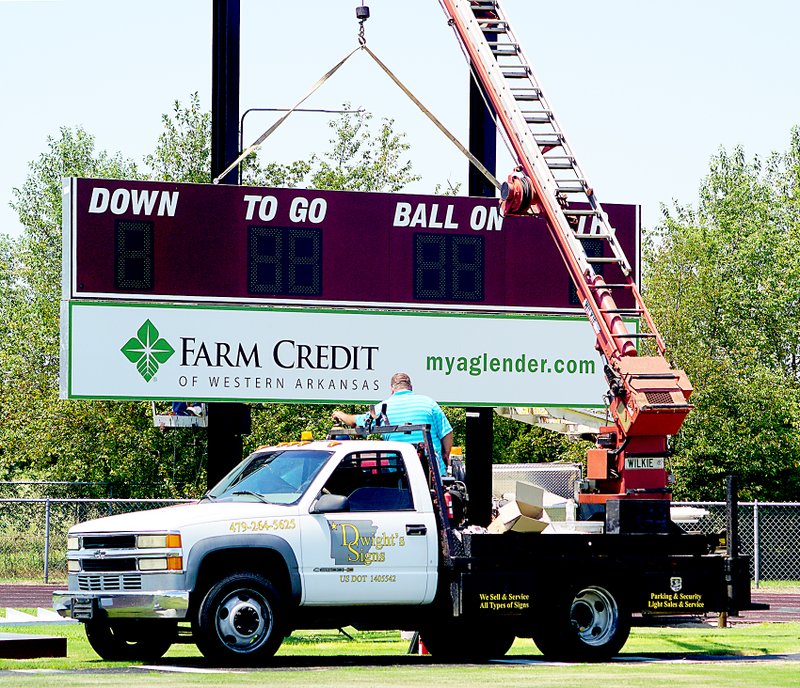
[147, 350]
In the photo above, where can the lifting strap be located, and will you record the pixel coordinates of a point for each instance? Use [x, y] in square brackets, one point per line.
[257, 143]
[362, 46]
[433, 119]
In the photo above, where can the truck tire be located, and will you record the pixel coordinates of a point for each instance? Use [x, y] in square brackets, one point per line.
[240, 620]
[590, 625]
[454, 641]
[130, 641]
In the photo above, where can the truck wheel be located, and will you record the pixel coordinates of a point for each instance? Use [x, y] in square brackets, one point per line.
[590, 626]
[458, 642]
[129, 641]
[240, 620]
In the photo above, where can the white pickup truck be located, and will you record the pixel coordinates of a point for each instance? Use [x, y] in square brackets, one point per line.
[332, 533]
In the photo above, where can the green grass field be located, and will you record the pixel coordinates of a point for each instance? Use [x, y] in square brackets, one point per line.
[779, 586]
[380, 659]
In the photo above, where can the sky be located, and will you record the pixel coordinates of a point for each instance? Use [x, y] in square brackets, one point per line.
[647, 92]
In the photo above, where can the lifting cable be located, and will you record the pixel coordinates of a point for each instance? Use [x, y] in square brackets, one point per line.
[481, 167]
[257, 143]
[362, 14]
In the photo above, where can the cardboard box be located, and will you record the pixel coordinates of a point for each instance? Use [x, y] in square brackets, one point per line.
[535, 510]
[511, 518]
[530, 499]
[523, 515]
[557, 508]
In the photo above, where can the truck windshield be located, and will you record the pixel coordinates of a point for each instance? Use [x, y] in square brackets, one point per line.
[277, 476]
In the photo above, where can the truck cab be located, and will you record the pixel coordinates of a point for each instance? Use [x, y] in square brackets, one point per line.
[312, 525]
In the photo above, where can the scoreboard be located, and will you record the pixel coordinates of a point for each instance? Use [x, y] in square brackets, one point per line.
[199, 243]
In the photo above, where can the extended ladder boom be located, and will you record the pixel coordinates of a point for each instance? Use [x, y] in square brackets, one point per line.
[648, 399]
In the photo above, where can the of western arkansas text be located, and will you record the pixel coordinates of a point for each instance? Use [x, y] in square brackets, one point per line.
[307, 383]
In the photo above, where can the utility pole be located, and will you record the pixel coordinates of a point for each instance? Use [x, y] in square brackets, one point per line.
[225, 88]
[227, 422]
[479, 431]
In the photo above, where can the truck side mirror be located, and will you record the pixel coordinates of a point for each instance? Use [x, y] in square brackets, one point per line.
[330, 503]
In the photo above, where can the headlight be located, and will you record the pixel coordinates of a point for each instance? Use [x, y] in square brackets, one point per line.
[152, 564]
[73, 566]
[159, 541]
[161, 564]
[73, 543]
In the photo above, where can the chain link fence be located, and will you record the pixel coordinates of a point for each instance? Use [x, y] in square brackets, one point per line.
[33, 532]
[769, 533]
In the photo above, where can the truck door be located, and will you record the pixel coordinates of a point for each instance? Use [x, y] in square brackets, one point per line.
[383, 550]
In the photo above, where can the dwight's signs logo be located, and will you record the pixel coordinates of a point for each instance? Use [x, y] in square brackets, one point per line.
[147, 350]
[357, 544]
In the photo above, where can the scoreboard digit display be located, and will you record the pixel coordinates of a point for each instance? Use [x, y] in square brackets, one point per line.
[154, 241]
[284, 261]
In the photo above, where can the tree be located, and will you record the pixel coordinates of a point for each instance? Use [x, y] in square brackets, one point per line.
[532, 444]
[362, 159]
[183, 152]
[42, 437]
[8, 290]
[33, 339]
[722, 283]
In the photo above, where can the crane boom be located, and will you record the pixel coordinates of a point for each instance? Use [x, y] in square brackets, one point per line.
[648, 399]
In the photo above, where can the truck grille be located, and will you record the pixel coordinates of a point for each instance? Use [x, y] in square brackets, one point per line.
[126, 564]
[97, 583]
[109, 541]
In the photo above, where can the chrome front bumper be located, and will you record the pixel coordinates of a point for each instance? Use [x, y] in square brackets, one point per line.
[162, 604]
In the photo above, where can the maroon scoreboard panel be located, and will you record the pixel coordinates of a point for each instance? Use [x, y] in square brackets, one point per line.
[156, 241]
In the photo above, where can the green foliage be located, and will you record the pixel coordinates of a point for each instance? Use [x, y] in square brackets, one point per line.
[8, 289]
[183, 151]
[362, 159]
[722, 283]
[515, 442]
[29, 349]
[447, 189]
[273, 423]
[42, 437]
[38, 204]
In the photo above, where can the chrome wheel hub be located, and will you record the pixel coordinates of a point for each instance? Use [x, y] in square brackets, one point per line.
[244, 620]
[594, 615]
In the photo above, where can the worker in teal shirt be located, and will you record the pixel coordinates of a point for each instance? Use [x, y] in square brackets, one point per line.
[406, 406]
